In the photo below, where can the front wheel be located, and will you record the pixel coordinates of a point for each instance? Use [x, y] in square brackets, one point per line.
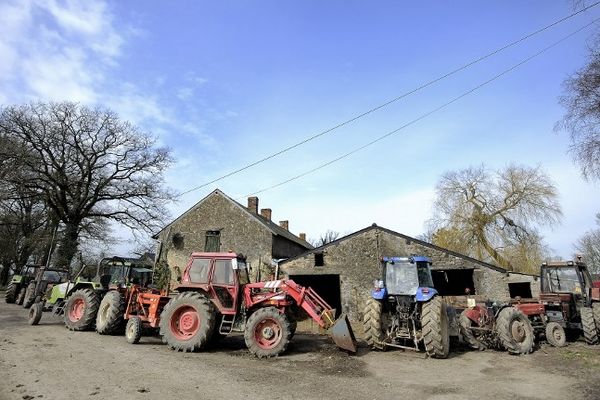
[555, 334]
[133, 330]
[514, 331]
[35, 313]
[434, 328]
[267, 332]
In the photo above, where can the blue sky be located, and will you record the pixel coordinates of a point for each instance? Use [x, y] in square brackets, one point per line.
[225, 83]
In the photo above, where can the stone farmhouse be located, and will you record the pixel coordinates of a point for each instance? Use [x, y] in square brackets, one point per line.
[343, 271]
[218, 223]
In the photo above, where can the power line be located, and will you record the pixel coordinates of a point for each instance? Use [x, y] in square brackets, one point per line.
[423, 116]
[387, 103]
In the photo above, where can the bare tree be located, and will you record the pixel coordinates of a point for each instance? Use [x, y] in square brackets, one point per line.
[88, 165]
[327, 237]
[490, 215]
[581, 100]
[589, 247]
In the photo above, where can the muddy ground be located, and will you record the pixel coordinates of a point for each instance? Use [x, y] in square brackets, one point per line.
[50, 362]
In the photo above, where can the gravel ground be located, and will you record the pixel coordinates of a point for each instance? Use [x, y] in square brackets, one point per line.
[50, 362]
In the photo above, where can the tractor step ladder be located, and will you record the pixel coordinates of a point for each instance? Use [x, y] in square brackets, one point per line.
[226, 324]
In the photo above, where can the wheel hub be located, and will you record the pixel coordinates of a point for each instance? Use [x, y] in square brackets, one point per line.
[268, 332]
[185, 323]
[77, 310]
[518, 331]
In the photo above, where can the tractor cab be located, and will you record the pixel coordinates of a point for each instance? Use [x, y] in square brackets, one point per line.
[219, 274]
[116, 272]
[405, 276]
[568, 279]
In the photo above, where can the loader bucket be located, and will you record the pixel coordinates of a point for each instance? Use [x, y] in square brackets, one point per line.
[342, 334]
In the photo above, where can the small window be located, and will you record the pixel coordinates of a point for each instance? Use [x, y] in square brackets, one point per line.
[213, 241]
[319, 259]
[178, 241]
[199, 270]
[223, 272]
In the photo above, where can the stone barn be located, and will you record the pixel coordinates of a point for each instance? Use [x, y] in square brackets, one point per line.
[218, 223]
[343, 271]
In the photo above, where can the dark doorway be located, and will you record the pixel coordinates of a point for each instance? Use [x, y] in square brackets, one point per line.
[521, 289]
[326, 286]
[453, 282]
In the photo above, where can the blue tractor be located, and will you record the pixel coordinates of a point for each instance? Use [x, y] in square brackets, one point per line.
[405, 311]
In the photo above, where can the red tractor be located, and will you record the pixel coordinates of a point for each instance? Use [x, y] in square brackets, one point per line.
[216, 298]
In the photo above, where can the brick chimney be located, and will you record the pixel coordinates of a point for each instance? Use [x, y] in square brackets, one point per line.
[253, 204]
[266, 212]
[285, 225]
[302, 236]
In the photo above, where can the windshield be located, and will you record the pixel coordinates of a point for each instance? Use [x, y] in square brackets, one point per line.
[563, 280]
[118, 273]
[401, 278]
[51, 276]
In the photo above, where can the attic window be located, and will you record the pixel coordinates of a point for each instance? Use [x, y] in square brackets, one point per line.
[213, 241]
[178, 241]
[319, 259]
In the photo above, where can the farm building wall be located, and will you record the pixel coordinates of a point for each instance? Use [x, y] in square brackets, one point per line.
[356, 259]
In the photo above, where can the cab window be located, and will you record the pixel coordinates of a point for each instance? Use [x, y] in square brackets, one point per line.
[199, 270]
[223, 272]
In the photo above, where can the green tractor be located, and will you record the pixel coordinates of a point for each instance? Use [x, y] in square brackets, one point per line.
[45, 278]
[79, 300]
[15, 292]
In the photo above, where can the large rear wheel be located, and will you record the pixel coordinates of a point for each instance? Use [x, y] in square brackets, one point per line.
[109, 319]
[81, 310]
[11, 293]
[514, 331]
[590, 332]
[187, 322]
[596, 312]
[434, 327]
[29, 295]
[267, 332]
[373, 324]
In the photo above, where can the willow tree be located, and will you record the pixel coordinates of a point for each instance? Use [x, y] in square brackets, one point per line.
[495, 216]
[89, 166]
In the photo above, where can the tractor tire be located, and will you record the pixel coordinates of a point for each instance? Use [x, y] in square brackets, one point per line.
[29, 295]
[21, 296]
[11, 293]
[109, 319]
[267, 332]
[555, 334]
[373, 324]
[35, 313]
[514, 331]
[133, 330]
[590, 333]
[434, 328]
[81, 309]
[464, 325]
[596, 312]
[188, 322]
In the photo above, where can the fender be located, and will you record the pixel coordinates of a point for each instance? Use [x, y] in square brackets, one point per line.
[379, 294]
[425, 294]
[475, 314]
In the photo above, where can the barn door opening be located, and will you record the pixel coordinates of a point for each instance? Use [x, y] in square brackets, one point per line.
[453, 282]
[326, 286]
[520, 289]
